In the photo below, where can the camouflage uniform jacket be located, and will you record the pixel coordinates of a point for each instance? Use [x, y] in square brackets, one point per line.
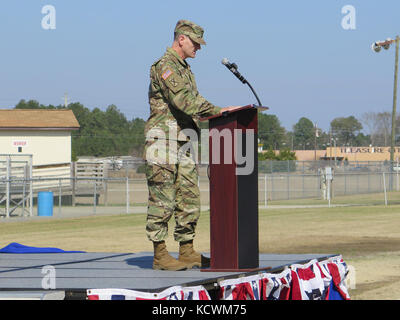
[175, 103]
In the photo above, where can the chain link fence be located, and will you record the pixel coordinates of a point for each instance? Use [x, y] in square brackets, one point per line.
[329, 182]
[123, 189]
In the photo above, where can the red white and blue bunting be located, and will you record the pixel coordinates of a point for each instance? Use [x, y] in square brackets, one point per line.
[172, 293]
[315, 280]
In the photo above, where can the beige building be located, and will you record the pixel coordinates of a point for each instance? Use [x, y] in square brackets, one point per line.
[46, 134]
[362, 153]
[348, 153]
[309, 155]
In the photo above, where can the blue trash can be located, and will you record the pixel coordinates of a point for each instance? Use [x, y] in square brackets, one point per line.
[45, 203]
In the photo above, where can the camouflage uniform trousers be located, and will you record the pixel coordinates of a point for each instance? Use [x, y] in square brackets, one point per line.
[173, 190]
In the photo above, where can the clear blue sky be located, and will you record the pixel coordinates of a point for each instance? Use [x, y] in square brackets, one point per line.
[296, 54]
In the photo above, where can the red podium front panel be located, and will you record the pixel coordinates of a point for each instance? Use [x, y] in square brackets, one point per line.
[234, 190]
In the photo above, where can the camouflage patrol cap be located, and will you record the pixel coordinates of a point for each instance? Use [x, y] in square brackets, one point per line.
[190, 29]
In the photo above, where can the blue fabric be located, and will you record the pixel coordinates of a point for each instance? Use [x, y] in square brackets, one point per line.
[19, 248]
[333, 293]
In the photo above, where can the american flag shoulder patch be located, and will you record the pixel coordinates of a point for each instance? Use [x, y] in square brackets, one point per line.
[166, 74]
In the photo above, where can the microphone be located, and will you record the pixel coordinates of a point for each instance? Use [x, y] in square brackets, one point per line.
[233, 68]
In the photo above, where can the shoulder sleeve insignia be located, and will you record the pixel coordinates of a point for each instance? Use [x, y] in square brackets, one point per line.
[166, 74]
[173, 82]
[171, 79]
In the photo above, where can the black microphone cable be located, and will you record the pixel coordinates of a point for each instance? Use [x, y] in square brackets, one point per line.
[233, 68]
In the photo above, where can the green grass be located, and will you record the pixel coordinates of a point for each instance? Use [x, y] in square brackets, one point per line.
[366, 236]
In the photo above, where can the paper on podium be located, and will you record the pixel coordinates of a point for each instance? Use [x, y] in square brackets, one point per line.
[225, 113]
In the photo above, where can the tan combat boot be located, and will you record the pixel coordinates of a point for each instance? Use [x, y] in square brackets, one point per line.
[164, 261]
[191, 257]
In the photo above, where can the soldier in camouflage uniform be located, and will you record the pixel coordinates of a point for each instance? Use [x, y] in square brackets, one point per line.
[172, 177]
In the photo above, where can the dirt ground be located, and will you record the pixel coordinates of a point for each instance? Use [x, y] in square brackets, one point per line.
[367, 237]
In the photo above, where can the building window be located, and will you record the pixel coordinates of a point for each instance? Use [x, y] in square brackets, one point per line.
[19, 149]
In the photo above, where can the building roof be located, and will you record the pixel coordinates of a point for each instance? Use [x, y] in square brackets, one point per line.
[37, 119]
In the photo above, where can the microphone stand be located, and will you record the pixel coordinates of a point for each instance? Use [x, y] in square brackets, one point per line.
[233, 68]
[258, 100]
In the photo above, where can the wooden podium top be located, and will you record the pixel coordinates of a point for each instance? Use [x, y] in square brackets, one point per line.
[224, 114]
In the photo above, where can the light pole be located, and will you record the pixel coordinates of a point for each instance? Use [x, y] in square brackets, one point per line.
[376, 46]
[316, 135]
[334, 143]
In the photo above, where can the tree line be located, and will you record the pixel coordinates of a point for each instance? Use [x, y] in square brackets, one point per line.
[110, 133]
[101, 133]
[343, 132]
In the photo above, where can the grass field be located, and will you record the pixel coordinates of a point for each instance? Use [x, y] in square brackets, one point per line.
[367, 237]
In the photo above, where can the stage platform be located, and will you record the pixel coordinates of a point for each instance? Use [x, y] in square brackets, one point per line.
[22, 275]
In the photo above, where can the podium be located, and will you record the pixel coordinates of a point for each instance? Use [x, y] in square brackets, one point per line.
[233, 174]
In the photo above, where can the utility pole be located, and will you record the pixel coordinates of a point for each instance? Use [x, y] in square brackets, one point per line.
[330, 146]
[65, 100]
[396, 66]
[377, 46]
[315, 141]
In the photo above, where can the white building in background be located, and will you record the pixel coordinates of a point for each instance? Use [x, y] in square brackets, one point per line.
[46, 134]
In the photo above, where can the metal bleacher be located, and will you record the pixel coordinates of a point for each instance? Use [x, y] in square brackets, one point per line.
[15, 184]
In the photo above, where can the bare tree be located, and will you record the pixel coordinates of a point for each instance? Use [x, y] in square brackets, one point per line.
[379, 125]
[384, 126]
[370, 122]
